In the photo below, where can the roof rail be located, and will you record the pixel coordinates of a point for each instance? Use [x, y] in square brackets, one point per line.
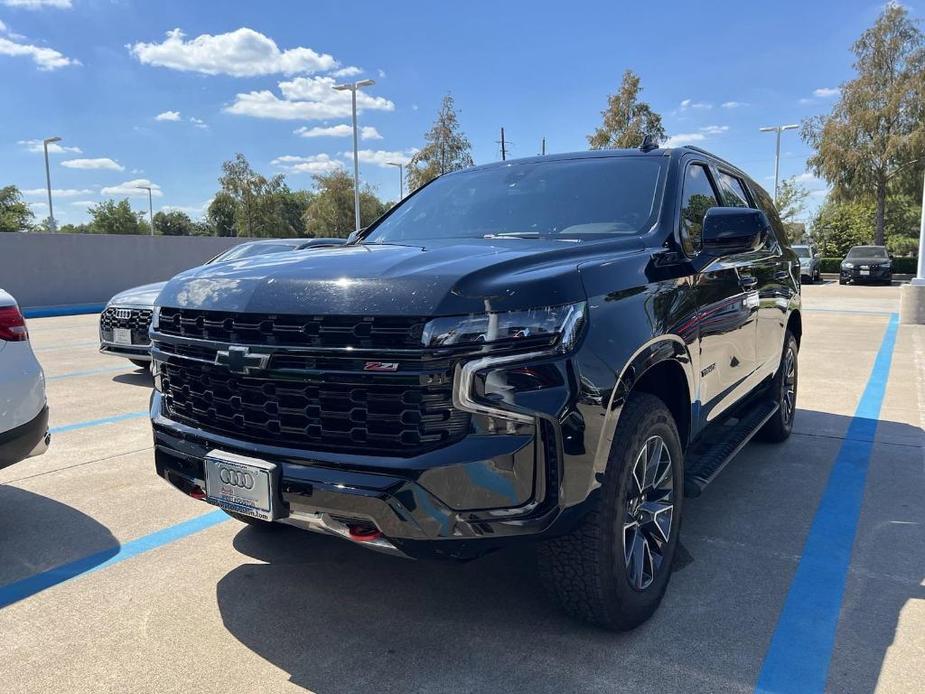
[701, 150]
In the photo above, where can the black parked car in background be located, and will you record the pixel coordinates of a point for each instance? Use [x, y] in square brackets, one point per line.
[126, 318]
[867, 264]
[556, 349]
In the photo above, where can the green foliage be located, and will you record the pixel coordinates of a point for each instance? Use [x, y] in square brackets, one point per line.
[791, 200]
[903, 246]
[202, 227]
[173, 223]
[15, 214]
[111, 217]
[626, 119]
[221, 214]
[446, 149]
[330, 209]
[877, 129]
[74, 229]
[838, 225]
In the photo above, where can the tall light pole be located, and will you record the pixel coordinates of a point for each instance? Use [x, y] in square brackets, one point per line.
[51, 213]
[777, 129]
[353, 87]
[150, 207]
[401, 178]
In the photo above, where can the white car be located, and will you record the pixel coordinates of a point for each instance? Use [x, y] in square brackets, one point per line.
[23, 407]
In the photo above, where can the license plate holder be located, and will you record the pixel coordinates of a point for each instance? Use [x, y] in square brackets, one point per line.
[241, 484]
[122, 336]
[865, 272]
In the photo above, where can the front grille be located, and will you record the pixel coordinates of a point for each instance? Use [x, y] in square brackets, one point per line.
[378, 332]
[138, 320]
[395, 415]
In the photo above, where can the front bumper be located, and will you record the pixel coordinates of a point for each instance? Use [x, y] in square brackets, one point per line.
[457, 502]
[25, 441]
[136, 352]
[857, 276]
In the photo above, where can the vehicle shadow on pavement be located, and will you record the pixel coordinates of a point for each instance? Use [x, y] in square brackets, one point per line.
[339, 618]
[135, 378]
[37, 534]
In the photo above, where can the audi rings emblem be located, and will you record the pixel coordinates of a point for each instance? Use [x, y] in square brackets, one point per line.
[236, 478]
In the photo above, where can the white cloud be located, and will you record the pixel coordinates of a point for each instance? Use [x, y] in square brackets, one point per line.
[826, 92]
[46, 59]
[131, 189]
[305, 98]
[191, 210]
[100, 163]
[58, 192]
[83, 203]
[367, 132]
[199, 123]
[313, 164]
[702, 134]
[381, 72]
[381, 157]
[733, 104]
[53, 147]
[349, 71]
[239, 53]
[688, 103]
[168, 115]
[38, 4]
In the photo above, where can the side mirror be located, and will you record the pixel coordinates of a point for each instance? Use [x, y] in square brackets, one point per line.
[731, 230]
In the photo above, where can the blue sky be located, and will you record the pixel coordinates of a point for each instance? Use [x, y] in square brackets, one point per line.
[163, 92]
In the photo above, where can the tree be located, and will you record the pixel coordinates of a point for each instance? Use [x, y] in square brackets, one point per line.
[15, 214]
[173, 223]
[876, 131]
[791, 203]
[221, 214]
[626, 119]
[446, 149]
[839, 225]
[111, 217]
[74, 229]
[259, 201]
[330, 210]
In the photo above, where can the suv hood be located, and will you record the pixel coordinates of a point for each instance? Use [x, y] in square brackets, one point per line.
[138, 296]
[374, 279]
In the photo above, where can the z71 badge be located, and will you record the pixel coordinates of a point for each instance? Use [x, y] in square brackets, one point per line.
[380, 366]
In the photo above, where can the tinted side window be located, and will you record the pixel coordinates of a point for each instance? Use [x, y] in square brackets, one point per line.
[732, 190]
[697, 197]
[766, 204]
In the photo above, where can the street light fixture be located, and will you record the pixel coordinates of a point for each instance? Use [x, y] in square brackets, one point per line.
[401, 178]
[353, 87]
[777, 129]
[150, 206]
[51, 213]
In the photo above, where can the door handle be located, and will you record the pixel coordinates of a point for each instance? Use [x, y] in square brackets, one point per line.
[748, 282]
[781, 275]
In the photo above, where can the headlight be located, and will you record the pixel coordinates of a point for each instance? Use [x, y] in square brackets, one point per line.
[847, 266]
[560, 325]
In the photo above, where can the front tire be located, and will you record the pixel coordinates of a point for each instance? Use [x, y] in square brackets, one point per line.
[784, 390]
[613, 568]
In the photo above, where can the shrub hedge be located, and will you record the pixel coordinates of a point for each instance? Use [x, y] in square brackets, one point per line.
[901, 266]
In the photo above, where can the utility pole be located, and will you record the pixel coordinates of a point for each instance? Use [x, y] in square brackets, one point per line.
[543, 151]
[401, 178]
[150, 207]
[777, 129]
[503, 148]
[51, 213]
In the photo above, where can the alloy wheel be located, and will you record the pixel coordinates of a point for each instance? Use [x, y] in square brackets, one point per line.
[648, 513]
[789, 386]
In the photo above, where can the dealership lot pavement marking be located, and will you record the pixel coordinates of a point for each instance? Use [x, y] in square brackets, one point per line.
[230, 609]
[799, 655]
[98, 422]
[108, 557]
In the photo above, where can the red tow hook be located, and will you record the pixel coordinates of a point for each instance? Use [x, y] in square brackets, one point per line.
[197, 493]
[363, 533]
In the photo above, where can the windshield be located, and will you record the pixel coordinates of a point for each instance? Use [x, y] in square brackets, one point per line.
[868, 252]
[246, 250]
[802, 251]
[572, 199]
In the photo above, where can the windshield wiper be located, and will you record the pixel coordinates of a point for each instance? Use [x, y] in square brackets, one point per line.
[513, 235]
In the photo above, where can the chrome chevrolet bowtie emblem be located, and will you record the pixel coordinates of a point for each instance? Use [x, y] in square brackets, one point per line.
[240, 360]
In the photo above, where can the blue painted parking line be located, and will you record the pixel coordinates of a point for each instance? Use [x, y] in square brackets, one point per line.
[98, 422]
[14, 592]
[70, 310]
[88, 372]
[801, 648]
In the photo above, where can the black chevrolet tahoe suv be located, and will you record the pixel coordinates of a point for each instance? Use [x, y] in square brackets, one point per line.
[555, 349]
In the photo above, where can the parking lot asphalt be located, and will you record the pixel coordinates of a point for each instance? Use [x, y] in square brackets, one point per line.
[802, 558]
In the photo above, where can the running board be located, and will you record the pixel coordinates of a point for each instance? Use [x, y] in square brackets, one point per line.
[708, 458]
